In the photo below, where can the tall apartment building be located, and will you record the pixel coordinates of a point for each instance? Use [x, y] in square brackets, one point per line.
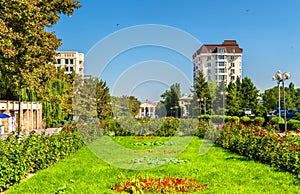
[70, 61]
[219, 62]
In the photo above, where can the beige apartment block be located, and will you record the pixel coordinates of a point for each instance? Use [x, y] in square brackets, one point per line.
[219, 62]
[70, 61]
[30, 115]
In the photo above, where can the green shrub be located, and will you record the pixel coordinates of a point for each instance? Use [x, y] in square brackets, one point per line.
[259, 120]
[235, 119]
[227, 119]
[168, 128]
[245, 119]
[201, 129]
[297, 116]
[293, 124]
[22, 155]
[205, 117]
[275, 120]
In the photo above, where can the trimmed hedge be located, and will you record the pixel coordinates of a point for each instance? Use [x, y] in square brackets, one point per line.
[257, 143]
[20, 156]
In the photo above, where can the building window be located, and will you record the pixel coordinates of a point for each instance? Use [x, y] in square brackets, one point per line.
[232, 78]
[209, 78]
[208, 64]
[232, 57]
[232, 50]
[232, 71]
[208, 58]
[221, 56]
[208, 50]
[232, 64]
[221, 70]
[66, 61]
[58, 61]
[221, 64]
[221, 50]
[71, 68]
[71, 61]
[222, 77]
[208, 71]
[67, 69]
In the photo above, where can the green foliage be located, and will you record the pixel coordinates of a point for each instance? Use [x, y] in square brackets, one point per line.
[219, 104]
[26, 51]
[165, 127]
[26, 47]
[227, 119]
[169, 127]
[297, 116]
[201, 129]
[171, 100]
[134, 106]
[205, 117]
[20, 156]
[245, 119]
[235, 119]
[292, 97]
[249, 94]
[103, 100]
[293, 125]
[232, 100]
[275, 120]
[259, 120]
[270, 98]
[203, 92]
[257, 143]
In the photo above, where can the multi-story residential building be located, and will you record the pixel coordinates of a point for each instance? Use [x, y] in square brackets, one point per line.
[70, 61]
[219, 62]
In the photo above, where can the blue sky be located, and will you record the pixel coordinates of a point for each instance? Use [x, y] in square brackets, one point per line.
[267, 30]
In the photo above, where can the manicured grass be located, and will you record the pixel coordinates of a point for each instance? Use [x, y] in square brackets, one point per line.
[222, 171]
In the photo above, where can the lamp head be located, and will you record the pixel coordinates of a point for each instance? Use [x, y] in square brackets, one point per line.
[287, 76]
[278, 75]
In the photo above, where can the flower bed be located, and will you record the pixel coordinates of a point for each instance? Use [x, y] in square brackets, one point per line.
[167, 184]
[20, 156]
[277, 149]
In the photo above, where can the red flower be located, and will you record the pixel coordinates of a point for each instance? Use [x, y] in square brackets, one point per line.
[281, 140]
[296, 148]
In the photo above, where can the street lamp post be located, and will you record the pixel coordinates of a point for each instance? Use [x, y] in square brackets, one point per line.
[281, 77]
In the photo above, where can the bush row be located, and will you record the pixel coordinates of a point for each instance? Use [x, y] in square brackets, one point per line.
[267, 146]
[277, 122]
[22, 155]
[164, 127]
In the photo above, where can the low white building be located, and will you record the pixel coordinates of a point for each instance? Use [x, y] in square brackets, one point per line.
[184, 103]
[147, 109]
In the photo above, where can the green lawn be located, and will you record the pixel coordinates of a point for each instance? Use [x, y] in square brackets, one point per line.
[222, 171]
